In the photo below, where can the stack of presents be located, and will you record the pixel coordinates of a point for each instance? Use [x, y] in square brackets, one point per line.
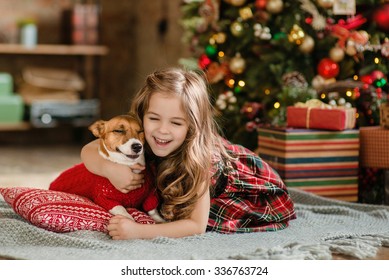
[46, 97]
[11, 104]
[321, 152]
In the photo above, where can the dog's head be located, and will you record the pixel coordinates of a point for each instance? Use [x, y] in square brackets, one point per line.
[121, 139]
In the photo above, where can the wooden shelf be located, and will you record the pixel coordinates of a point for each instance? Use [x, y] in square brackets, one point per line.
[84, 50]
[15, 126]
[87, 55]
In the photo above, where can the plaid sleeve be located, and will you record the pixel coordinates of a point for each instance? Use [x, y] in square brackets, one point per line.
[252, 198]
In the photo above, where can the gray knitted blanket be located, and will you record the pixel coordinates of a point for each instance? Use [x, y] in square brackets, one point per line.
[322, 227]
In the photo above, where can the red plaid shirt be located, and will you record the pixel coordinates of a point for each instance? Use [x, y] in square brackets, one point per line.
[247, 195]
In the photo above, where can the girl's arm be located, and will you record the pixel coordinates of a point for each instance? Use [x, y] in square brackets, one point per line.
[121, 176]
[121, 228]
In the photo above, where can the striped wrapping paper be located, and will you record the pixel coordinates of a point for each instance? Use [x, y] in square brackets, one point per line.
[321, 162]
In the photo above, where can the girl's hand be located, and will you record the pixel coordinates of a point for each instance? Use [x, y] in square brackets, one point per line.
[125, 178]
[122, 228]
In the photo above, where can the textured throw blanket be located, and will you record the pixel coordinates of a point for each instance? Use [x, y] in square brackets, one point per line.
[322, 227]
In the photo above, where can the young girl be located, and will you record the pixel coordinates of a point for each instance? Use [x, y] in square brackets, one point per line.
[205, 182]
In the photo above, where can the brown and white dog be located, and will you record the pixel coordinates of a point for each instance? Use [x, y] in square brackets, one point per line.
[121, 141]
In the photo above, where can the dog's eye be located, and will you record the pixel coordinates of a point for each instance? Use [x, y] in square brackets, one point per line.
[120, 131]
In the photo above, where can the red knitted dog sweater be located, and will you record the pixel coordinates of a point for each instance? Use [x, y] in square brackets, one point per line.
[78, 180]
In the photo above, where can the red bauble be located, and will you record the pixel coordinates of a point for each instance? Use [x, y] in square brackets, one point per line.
[367, 79]
[377, 74]
[327, 68]
[260, 4]
[381, 17]
[204, 61]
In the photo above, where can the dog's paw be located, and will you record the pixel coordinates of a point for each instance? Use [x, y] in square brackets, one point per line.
[156, 217]
[120, 210]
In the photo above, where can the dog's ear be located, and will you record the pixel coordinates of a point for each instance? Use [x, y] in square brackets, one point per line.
[97, 128]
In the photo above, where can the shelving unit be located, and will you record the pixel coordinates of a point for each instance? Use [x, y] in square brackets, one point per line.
[88, 56]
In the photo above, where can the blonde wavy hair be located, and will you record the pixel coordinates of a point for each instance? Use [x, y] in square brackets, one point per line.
[184, 175]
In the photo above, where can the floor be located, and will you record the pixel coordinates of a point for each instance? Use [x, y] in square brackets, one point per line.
[36, 166]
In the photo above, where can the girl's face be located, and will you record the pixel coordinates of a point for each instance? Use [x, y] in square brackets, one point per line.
[165, 124]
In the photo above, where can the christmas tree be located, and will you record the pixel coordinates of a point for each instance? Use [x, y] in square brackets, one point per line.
[261, 56]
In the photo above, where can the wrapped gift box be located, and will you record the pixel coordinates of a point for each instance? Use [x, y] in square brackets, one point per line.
[11, 109]
[318, 118]
[6, 84]
[374, 150]
[323, 162]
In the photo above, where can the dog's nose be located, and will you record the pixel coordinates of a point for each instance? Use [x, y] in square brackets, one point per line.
[136, 147]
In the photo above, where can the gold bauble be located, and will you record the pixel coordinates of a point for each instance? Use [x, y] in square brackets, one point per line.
[274, 6]
[237, 64]
[307, 45]
[220, 37]
[326, 4]
[235, 3]
[296, 35]
[236, 28]
[336, 54]
[245, 13]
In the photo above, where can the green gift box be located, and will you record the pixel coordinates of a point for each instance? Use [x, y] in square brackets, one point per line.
[6, 84]
[11, 109]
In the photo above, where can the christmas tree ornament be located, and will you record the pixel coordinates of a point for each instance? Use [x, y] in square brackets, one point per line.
[235, 3]
[220, 37]
[294, 79]
[237, 64]
[274, 6]
[367, 79]
[336, 54]
[211, 50]
[245, 13]
[237, 29]
[327, 68]
[319, 82]
[226, 100]
[377, 74]
[279, 36]
[216, 72]
[296, 35]
[326, 4]
[209, 12]
[260, 4]
[251, 109]
[317, 21]
[380, 83]
[307, 45]
[204, 61]
[344, 7]
[261, 32]
[385, 49]
[351, 49]
[381, 17]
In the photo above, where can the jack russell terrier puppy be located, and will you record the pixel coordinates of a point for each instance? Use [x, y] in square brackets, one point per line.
[121, 141]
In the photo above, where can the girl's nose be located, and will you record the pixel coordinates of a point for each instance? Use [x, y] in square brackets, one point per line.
[163, 128]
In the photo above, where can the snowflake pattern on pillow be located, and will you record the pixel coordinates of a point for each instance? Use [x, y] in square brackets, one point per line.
[62, 212]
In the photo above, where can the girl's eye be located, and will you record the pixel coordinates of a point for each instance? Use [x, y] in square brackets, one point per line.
[176, 123]
[120, 131]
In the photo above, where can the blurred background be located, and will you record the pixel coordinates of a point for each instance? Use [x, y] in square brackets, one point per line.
[132, 38]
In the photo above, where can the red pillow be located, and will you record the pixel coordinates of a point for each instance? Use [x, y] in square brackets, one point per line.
[62, 212]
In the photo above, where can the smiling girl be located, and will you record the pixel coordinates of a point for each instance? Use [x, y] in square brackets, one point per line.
[205, 182]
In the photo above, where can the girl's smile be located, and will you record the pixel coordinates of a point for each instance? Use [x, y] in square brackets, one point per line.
[165, 124]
